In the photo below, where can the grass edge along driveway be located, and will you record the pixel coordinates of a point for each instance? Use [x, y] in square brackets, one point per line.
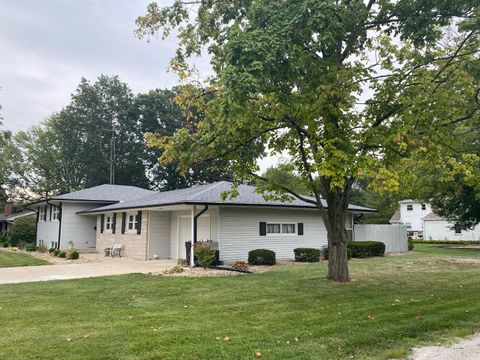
[393, 304]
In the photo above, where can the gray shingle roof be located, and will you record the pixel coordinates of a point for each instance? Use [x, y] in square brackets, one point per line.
[210, 194]
[433, 216]
[107, 193]
[21, 214]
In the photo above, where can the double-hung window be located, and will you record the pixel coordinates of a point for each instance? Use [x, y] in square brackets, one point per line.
[409, 207]
[281, 229]
[55, 212]
[41, 214]
[132, 222]
[108, 223]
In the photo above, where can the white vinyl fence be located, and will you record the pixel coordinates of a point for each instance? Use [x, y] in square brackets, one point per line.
[393, 236]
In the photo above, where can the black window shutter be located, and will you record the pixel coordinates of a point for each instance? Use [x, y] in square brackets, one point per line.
[300, 228]
[60, 212]
[102, 222]
[51, 208]
[139, 223]
[124, 218]
[45, 213]
[114, 222]
[263, 229]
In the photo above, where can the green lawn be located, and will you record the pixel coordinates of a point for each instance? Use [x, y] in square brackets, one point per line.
[392, 304]
[9, 259]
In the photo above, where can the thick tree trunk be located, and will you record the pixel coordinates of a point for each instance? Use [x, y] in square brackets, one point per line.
[337, 237]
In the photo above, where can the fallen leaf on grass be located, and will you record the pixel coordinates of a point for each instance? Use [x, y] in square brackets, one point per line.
[68, 339]
[258, 354]
[226, 338]
[86, 336]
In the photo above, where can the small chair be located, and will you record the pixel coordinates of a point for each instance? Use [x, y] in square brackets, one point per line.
[108, 252]
[117, 250]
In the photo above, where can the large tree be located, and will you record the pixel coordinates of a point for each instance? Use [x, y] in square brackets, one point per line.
[344, 87]
[158, 113]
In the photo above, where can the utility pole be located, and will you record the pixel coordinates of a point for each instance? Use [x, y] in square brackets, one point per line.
[112, 154]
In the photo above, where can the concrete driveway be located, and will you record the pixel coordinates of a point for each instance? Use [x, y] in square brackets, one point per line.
[104, 267]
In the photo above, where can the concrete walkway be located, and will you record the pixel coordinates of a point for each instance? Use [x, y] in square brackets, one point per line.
[107, 266]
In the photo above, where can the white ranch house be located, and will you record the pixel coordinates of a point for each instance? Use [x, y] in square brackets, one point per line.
[156, 225]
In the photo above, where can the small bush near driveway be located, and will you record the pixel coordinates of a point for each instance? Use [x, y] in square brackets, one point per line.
[307, 254]
[364, 249]
[261, 257]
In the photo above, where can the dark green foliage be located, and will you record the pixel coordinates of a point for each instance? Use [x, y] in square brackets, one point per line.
[74, 255]
[411, 244]
[363, 249]
[204, 253]
[5, 244]
[56, 252]
[23, 229]
[307, 255]
[261, 257]
[30, 247]
[62, 254]
[51, 250]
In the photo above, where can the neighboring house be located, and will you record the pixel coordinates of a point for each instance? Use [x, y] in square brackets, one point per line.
[7, 211]
[58, 222]
[411, 213]
[437, 228]
[158, 225]
[7, 222]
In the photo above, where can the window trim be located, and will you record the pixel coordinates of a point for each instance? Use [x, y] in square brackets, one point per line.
[55, 211]
[281, 233]
[108, 223]
[134, 223]
[41, 214]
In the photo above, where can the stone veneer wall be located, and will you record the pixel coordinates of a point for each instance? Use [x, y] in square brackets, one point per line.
[134, 245]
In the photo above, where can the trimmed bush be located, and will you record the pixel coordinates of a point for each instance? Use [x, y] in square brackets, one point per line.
[261, 257]
[56, 252]
[30, 247]
[21, 245]
[307, 254]
[364, 249]
[74, 255]
[447, 242]
[6, 245]
[51, 250]
[62, 254]
[42, 249]
[204, 253]
[410, 244]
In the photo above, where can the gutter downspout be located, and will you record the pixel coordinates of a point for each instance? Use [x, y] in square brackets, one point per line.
[195, 222]
[59, 222]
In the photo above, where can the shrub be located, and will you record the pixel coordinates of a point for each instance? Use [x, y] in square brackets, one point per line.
[410, 244]
[4, 238]
[182, 262]
[174, 270]
[23, 229]
[204, 254]
[51, 250]
[74, 255]
[30, 247]
[364, 249]
[42, 249]
[239, 265]
[307, 254]
[56, 252]
[21, 245]
[261, 257]
[6, 245]
[448, 242]
[62, 254]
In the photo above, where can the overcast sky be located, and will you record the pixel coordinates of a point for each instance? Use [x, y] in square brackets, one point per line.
[47, 46]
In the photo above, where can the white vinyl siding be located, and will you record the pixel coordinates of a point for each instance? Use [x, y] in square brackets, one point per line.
[239, 231]
[79, 229]
[444, 230]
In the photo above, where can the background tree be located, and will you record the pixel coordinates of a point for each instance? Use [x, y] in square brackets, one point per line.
[345, 87]
[157, 113]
